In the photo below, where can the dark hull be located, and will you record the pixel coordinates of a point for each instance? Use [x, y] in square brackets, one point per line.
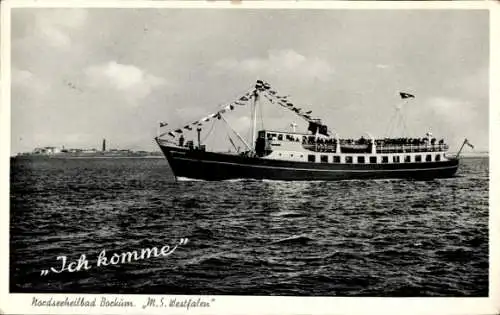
[220, 166]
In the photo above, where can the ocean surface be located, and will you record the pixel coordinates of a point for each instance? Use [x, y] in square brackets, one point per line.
[246, 237]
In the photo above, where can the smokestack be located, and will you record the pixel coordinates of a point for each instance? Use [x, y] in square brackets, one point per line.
[103, 145]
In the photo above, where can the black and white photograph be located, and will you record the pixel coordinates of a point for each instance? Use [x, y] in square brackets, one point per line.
[198, 153]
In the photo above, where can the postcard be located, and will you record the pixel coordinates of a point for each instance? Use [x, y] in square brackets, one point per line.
[253, 157]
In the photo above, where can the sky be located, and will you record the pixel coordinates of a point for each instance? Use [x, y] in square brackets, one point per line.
[81, 75]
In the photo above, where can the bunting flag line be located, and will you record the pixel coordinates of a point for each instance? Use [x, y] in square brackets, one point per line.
[284, 102]
[269, 93]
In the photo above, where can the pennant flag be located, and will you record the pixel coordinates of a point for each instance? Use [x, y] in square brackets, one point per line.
[178, 130]
[196, 122]
[309, 111]
[243, 98]
[469, 144]
[163, 124]
[239, 103]
[171, 134]
[406, 95]
[272, 92]
[188, 128]
[295, 109]
[231, 107]
[222, 111]
[306, 116]
[267, 86]
[215, 115]
[218, 116]
[289, 104]
[206, 119]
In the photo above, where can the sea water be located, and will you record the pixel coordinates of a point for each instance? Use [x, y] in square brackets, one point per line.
[246, 237]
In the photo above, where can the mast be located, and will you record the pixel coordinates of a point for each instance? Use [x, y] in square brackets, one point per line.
[254, 118]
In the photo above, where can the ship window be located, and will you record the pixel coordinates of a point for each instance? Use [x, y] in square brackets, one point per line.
[311, 158]
[280, 137]
[361, 160]
[438, 157]
[302, 155]
[291, 155]
[428, 158]
[407, 159]
[395, 159]
[348, 159]
[262, 134]
[373, 159]
[336, 159]
[324, 159]
[385, 159]
[418, 158]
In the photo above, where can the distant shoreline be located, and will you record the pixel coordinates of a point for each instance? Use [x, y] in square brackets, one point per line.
[45, 157]
[469, 154]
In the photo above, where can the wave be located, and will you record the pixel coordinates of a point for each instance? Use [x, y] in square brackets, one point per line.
[188, 179]
[289, 214]
[296, 239]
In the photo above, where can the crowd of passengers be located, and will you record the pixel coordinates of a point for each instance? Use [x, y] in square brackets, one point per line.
[363, 141]
[408, 141]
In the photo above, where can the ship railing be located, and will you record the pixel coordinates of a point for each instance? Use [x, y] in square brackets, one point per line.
[411, 148]
[320, 147]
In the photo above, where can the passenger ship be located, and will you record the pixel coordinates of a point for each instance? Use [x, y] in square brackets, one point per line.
[314, 155]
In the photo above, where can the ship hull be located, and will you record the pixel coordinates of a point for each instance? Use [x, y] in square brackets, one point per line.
[222, 166]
